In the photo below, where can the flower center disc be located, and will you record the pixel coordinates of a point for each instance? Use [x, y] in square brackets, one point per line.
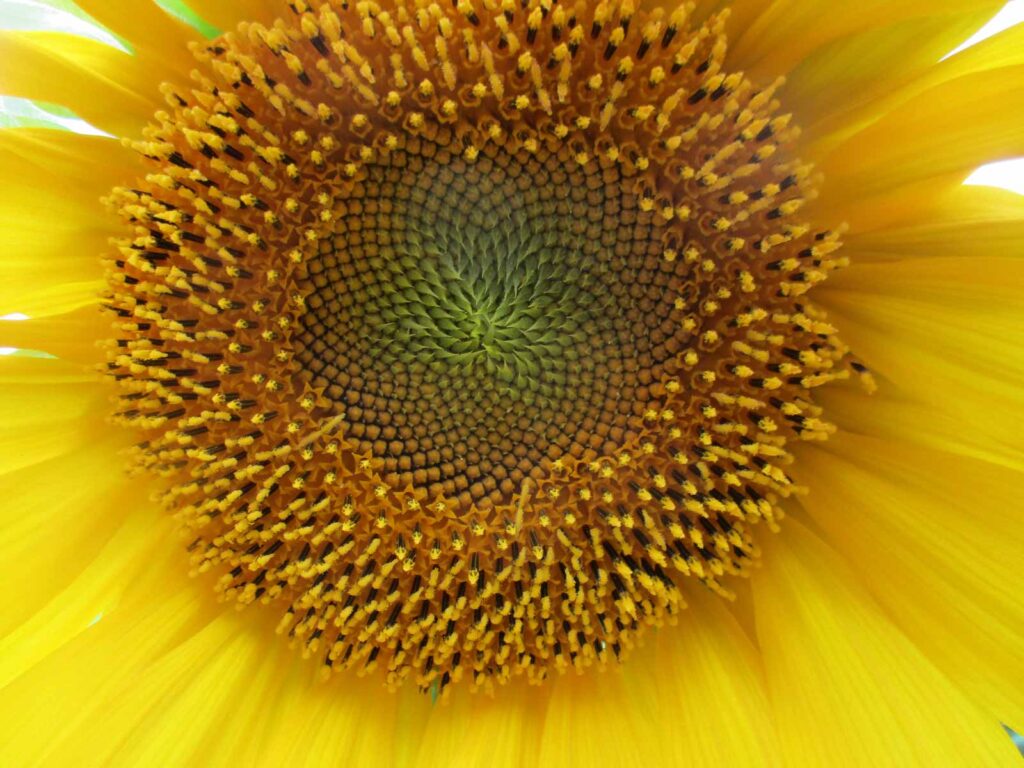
[475, 319]
[462, 332]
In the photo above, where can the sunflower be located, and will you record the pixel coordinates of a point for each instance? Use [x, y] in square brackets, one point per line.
[495, 382]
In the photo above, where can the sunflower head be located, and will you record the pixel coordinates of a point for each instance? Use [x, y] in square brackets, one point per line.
[462, 332]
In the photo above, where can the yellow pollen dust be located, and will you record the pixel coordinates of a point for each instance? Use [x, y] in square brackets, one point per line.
[462, 333]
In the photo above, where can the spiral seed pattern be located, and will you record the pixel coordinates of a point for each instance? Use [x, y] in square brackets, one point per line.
[476, 319]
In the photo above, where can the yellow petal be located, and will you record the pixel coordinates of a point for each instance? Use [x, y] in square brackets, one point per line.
[134, 663]
[786, 32]
[243, 726]
[919, 148]
[166, 677]
[56, 299]
[506, 729]
[692, 696]
[227, 14]
[932, 305]
[105, 86]
[966, 424]
[708, 673]
[74, 336]
[144, 612]
[847, 688]
[948, 378]
[162, 716]
[92, 584]
[52, 243]
[848, 80]
[57, 516]
[153, 34]
[61, 478]
[84, 167]
[312, 722]
[965, 221]
[942, 330]
[830, 115]
[47, 408]
[937, 540]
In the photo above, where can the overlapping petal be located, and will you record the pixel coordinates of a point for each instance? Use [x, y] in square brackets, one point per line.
[105, 86]
[51, 242]
[846, 686]
[936, 539]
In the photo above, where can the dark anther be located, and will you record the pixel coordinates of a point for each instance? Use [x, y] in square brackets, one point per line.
[320, 45]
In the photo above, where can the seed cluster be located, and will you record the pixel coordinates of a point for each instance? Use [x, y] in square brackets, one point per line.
[475, 318]
[463, 331]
